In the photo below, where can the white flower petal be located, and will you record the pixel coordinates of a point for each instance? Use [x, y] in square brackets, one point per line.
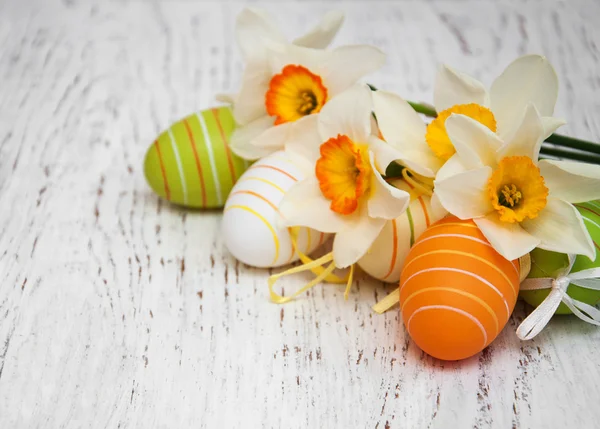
[253, 27]
[437, 209]
[509, 239]
[352, 242]
[242, 137]
[453, 87]
[304, 140]
[283, 54]
[417, 161]
[347, 64]
[574, 182]
[528, 137]
[323, 33]
[560, 228]
[551, 124]
[397, 120]
[250, 101]
[348, 114]
[226, 98]
[385, 201]
[452, 167]
[465, 194]
[529, 79]
[274, 138]
[304, 205]
[475, 144]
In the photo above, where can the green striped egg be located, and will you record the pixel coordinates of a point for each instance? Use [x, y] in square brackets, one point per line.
[191, 164]
[545, 263]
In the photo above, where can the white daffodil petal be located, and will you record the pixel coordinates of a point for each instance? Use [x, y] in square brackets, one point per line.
[304, 140]
[281, 55]
[322, 34]
[250, 101]
[348, 114]
[437, 209]
[453, 87]
[509, 239]
[304, 205]
[465, 194]
[275, 137]
[451, 167]
[385, 201]
[385, 154]
[254, 26]
[574, 182]
[347, 64]
[475, 144]
[527, 138]
[226, 98]
[352, 242]
[529, 79]
[560, 228]
[242, 138]
[398, 122]
[550, 125]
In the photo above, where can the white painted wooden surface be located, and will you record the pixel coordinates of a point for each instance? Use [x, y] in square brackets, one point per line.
[117, 310]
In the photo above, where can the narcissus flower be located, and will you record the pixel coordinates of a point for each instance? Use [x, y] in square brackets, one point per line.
[344, 192]
[516, 201]
[530, 79]
[283, 84]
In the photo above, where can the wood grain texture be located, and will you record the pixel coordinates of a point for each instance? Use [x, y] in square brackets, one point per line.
[118, 310]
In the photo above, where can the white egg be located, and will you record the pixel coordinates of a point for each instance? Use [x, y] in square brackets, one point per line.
[252, 226]
[385, 258]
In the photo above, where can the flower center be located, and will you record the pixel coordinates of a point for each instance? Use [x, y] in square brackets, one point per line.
[517, 190]
[294, 93]
[437, 137]
[344, 173]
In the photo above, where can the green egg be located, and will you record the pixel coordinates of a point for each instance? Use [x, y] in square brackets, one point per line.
[547, 264]
[191, 164]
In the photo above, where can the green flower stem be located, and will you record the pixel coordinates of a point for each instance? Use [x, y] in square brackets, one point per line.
[568, 153]
[556, 139]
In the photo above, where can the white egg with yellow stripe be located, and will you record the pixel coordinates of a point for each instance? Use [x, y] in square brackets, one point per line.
[386, 256]
[252, 227]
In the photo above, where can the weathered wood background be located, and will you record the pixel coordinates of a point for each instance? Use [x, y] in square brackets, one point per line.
[117, 310]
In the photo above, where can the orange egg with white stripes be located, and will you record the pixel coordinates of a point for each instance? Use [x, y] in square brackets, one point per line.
[252, 226]
[385, 257]
[190, 164]
[456, 291]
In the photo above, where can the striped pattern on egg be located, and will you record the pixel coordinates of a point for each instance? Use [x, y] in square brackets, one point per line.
[252, 227]
[191, 164]
[386, 256]
[456, 291]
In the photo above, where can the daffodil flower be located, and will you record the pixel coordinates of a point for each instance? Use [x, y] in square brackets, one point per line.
[344, 192]
[517, 202]
[254, 29]
[283, 84]
[530, 79]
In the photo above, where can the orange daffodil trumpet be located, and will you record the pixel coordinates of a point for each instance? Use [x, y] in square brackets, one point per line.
[517, 202]
[344, 192]
[285, 84]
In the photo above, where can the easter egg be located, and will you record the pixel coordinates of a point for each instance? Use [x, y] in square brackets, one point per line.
[456, 291]
[545, 263]
[252, 226]
[190, 163]
[386, 255]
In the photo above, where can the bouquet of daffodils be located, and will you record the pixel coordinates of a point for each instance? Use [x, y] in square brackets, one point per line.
[464, 211]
